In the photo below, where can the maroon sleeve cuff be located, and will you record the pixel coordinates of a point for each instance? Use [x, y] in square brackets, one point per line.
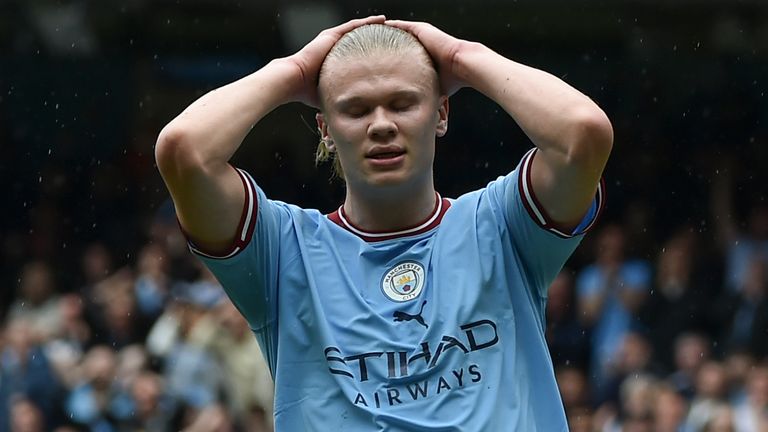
[245, 227]
[540, 216]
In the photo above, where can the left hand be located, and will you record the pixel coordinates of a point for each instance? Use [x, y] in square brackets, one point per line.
[442, 47]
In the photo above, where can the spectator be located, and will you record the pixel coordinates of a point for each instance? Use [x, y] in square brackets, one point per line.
[38, 302]
[679, 302]
[567, 339]
[580, 419]
[249, 382]
[90, 402]
[151, 288]
[610, 293]
[746, 311]
[711, 392]
[574, 387]
[635, 407]
[691, 351]
[66, 350]
[632, 359]
[192, 371]
[26, 416]
[669, 410]
[96, 265]
[212, 418]
[721, 420]
[25, 372]
[752, 414]
[118, 323]
[738, 364]
[741, 247]
[153, 411]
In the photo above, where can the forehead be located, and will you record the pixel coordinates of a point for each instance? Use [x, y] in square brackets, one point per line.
[376, 76]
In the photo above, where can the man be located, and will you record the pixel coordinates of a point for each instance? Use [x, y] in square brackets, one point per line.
[402, 310]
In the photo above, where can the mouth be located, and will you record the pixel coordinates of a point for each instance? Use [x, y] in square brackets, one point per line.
[385, 156]
[384, 152]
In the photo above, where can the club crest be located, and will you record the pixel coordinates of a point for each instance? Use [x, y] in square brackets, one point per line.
[404, 281]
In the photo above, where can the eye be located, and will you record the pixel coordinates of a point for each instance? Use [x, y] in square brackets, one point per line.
[402, 105]
[356, 111]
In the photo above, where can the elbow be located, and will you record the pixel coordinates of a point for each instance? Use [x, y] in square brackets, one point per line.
[173, 152]
[592, 136]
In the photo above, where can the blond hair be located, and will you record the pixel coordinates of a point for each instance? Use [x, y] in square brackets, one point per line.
[361, 42]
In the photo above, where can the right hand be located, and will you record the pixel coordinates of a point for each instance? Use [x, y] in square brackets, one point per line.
[442, 47]
[310, 58]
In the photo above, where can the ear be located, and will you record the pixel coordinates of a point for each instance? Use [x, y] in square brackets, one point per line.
[442, 121]
[322, 127]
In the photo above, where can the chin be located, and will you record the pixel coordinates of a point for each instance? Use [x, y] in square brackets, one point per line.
[389, 179]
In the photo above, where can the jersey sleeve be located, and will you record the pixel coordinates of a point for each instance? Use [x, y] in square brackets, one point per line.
[542, 246]
[248, 271]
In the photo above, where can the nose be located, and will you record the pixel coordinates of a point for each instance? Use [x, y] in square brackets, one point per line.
[381, 125]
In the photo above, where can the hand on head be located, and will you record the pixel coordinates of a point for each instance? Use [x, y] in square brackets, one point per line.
[310, 58]
[443, 49]
[441, 46]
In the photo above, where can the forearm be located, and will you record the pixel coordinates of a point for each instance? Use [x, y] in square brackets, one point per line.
[212, 128]
[554, 115]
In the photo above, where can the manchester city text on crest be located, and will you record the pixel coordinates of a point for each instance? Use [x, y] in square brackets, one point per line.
[404, 281]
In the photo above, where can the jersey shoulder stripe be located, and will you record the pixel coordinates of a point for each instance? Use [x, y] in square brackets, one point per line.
[246, 225]
[537, 211]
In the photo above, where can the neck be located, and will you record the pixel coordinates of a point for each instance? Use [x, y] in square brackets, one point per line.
[388, 209]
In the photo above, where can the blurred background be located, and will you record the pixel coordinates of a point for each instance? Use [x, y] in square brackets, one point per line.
[659, 322]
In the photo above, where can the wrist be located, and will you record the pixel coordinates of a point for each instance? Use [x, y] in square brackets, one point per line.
[289, 78]
[465, 59]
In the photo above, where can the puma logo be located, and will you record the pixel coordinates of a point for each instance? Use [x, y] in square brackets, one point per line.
[404, 316]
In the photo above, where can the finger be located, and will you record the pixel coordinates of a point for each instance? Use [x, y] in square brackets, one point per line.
[418, 29]
[352, 24]
[405, 25]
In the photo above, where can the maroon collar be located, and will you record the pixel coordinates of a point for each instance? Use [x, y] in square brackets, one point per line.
[339, 217]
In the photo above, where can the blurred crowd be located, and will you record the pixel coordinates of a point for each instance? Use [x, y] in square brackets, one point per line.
[652, 343]
[154, 345]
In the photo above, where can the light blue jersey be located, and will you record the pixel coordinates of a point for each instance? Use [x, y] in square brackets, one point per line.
[435, 328]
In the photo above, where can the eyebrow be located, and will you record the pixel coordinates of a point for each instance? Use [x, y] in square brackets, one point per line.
[351, 100]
